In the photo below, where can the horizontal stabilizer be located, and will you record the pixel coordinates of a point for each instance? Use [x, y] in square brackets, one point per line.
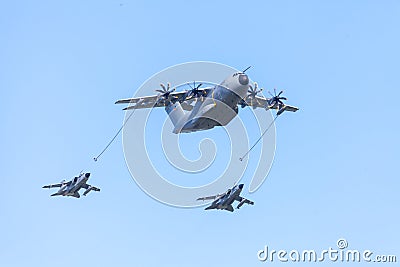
[287, 108]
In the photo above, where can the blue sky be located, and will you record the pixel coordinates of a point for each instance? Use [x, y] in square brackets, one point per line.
[63, 65]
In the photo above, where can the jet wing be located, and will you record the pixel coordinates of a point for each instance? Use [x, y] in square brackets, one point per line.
[95, 188]
[56, 185]
[52, 185]
[242, 201]
[210, 197]
[87, 186]
[157, 101]
[262, 102]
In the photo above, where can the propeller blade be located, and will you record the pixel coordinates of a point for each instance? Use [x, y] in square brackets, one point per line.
[163, 87]
[255, 86]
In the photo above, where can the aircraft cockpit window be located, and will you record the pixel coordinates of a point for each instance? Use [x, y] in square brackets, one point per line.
[236, 74]
[228, 192]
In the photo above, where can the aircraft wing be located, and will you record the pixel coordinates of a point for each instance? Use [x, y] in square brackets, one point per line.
[54, 185]
[210, 197]
[87, 186]
[262, 102]
[95, 188]
[157, 101]
[242, 201]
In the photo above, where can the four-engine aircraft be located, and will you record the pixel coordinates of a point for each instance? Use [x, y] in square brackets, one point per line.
[204, 108]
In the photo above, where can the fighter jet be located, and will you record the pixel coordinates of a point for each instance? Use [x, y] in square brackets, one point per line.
[71, 188]
[204, 108]
[224, 201]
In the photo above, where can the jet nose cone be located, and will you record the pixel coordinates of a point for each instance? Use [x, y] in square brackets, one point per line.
[241, 186]
[243, 79]
[87, 175]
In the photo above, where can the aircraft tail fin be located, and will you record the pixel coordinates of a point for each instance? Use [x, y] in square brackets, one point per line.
[229, 208]
[175, 113]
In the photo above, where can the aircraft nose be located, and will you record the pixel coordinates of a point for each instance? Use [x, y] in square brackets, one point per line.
[87, 175]
[241, 186]
[243, 79]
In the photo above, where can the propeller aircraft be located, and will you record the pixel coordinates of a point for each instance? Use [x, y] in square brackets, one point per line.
[200, 109]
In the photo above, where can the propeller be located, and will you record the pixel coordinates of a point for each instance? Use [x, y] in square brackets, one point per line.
[276, 99]
[194, 91]
[164, 92]
[252, 92]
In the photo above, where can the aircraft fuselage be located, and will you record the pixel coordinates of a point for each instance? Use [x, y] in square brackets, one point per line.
[73, 188]
[226, 201]
[219, 107]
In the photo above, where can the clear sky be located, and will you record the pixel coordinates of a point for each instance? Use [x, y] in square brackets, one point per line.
[63, 65]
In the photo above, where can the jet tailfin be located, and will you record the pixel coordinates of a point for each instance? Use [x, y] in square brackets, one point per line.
[229, 208]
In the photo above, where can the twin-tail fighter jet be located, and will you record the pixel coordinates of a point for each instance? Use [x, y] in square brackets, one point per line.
[224, 201]
[204, 108]
[71, 188]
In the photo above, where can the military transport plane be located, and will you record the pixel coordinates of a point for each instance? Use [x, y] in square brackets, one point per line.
[224, 201]
[204, 108]
[71, 188]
